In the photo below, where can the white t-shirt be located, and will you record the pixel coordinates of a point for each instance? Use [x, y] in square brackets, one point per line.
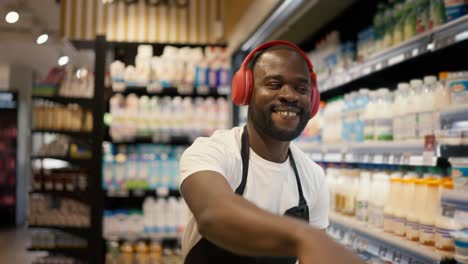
[271, 186]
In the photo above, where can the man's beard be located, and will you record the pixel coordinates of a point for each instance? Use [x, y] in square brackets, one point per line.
[263, 122]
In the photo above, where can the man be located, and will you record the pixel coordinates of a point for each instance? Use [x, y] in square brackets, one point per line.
[238, 183]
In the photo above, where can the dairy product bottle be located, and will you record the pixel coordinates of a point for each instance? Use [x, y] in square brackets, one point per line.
[362, 199]
[426, 116]
[389, 208]
[407, 187]
[445, 224]
[417, 203]
[400, 108]
[369, 117]
[414, 106]
[331, 182]
[362, 101]
[429, 213]
[383, 116]
[400, 202]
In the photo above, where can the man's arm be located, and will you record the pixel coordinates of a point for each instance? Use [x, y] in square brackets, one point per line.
[233, 223]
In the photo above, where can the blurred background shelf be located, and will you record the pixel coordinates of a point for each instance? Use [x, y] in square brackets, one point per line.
[85, 102]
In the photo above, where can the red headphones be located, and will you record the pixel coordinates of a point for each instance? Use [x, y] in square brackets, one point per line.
[242, 82]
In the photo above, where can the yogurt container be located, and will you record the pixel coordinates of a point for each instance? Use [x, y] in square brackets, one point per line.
[461, 246]
[458, 86]
[460, 173]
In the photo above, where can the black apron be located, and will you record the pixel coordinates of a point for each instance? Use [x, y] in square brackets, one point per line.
[205, 252]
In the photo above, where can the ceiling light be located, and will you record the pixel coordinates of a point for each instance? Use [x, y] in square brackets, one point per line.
[42, 39]
[12, 17]
[63, 60]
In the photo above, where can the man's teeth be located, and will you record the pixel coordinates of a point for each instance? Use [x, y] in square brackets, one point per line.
[286, 113]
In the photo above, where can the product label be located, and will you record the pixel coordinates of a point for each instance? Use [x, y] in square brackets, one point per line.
[425, 124]
[411, 126]
[369, 129]
[455, 9]
[383, 129]
[362, 210]
[459, 91]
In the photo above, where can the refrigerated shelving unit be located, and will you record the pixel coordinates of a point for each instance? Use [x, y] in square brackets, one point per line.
[92, 165]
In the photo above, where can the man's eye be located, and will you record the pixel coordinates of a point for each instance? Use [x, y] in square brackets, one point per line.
[275, 85]
[302, 89]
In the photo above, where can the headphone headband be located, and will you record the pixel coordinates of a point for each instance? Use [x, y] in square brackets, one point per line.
[277, 43]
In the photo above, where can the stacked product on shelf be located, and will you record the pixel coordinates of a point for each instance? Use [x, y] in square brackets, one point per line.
[47, 210]
[60, 180]
[399, 201]
[162, 118]
[142, 252]
[56, 259]
[159, 219]
[393, 24]
[185, 68]
[56, 145]
[410, 112]
[51, 116]
[141, 166]
[66, 82]
[46, 238]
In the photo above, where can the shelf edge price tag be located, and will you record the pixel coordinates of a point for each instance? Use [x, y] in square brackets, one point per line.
[378, 66]
[429, 150]
[396, 59]
[415, 52]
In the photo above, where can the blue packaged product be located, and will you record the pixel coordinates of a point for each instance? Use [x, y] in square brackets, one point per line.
[455, 9]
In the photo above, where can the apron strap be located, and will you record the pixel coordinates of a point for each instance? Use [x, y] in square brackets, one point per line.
[245, 149]
[245, 153]
[302, 200]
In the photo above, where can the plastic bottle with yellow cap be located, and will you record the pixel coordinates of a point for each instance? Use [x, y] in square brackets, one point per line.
[445, 222]
[417, 203]
[429, 213]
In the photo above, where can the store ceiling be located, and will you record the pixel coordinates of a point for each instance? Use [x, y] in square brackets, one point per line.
[313, 16]
[18, 41]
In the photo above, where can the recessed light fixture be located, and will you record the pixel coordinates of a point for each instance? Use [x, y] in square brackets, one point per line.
[42, 39]
[12, 17]
[63, 60]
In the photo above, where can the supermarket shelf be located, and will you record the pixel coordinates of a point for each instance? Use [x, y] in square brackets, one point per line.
[110, 194]
[439, 38]
[389, 153]
[85, 102]
[172, 92]
[143, 236]
[78, 162]
[455, 197]
[448, 151]
[83, 232]
[79, 253]
[133, 199]
[78, 195]
[173, 140]
[78, 134]
[406, 248]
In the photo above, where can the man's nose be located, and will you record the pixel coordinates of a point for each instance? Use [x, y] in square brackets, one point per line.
[288, 93]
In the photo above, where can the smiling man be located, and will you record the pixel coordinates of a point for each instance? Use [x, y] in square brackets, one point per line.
[254, 196]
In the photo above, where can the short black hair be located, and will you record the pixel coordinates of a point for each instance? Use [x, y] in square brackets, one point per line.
[257, 55]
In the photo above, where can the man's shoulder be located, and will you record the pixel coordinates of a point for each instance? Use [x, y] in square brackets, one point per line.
[222, 140]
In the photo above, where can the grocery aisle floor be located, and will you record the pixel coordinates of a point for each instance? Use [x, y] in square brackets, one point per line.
[13, 244]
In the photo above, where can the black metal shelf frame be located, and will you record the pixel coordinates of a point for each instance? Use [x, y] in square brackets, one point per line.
[93, 253]
[75, 134]
[83, 102]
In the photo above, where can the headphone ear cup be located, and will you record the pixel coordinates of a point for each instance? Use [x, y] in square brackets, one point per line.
[248, 86]
[238, 87]
[314, 101]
